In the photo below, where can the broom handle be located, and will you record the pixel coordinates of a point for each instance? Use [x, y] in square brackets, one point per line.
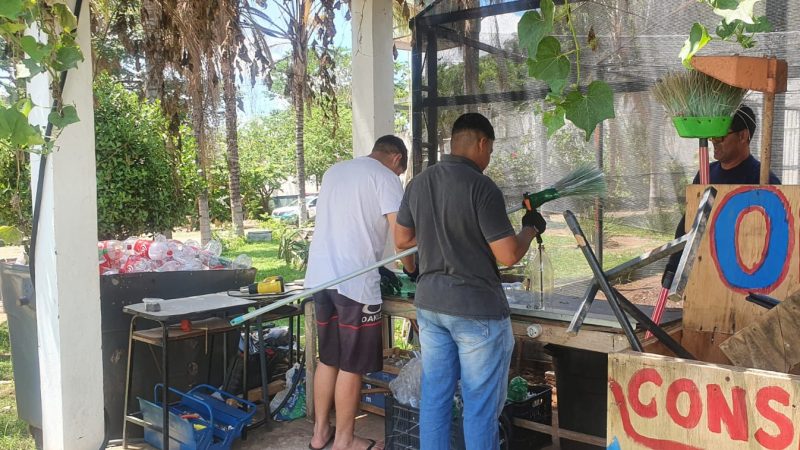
[309, 292]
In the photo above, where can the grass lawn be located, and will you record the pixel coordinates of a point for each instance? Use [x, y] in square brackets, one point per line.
[13, 432]
[265, 259]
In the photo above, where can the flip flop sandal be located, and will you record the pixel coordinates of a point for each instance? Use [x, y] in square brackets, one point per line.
[372, 443]
[330, 440]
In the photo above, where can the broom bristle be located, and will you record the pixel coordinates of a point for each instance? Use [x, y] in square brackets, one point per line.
[584, 180]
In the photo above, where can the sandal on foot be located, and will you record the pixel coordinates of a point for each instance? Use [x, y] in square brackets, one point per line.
[330, 440]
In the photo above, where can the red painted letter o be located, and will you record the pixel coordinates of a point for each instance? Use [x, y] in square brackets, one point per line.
[692, 418]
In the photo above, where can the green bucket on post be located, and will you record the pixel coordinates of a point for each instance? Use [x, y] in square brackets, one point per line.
[702, 127]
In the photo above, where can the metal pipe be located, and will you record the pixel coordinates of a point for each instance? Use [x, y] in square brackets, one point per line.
[600, 278]
[308, 293]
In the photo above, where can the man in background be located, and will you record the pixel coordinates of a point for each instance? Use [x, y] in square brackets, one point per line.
[734, 165]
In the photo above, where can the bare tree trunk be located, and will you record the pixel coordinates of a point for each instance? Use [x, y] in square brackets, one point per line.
[229, 95]
[300, 66]
[198, 123]
[151, 14]
[472, 29]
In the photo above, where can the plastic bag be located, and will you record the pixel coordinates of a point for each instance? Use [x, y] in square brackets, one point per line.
[407, 387]
[295, 406]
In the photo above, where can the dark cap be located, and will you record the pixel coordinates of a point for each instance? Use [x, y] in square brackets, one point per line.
[744, 118]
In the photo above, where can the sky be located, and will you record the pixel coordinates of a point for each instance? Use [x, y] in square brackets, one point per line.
[257, 102]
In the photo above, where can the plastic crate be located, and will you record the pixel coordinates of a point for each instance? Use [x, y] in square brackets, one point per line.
[377, 400]
[402, 428]
[537, 407]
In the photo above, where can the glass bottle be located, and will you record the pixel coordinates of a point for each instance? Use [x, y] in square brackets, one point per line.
[540, 277]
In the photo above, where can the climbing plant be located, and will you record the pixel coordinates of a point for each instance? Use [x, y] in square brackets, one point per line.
[54, 50]
[737, 24]
[547, 61]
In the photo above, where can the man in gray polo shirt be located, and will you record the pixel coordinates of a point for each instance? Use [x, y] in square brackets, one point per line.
[456, 215]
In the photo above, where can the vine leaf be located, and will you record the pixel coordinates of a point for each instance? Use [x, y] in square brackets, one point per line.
[68, 55]
[550, 64]
[698, 38]
[586, 111]
[533, 27]
[743, 10]
[11, 27]
[14, 125]
[34, 49]
[11, 9]
[67, 116]
[66, 18]
[725, 4]
[553, 120]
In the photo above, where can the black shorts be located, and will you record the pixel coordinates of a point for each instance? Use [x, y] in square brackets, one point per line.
[350, 333]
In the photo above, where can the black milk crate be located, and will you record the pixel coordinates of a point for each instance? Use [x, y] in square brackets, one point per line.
[536, 408]
[402, 428]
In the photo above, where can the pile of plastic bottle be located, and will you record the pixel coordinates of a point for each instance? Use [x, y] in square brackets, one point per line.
[134, 255]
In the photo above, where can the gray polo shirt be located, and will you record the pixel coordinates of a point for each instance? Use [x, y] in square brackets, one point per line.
[456, 211]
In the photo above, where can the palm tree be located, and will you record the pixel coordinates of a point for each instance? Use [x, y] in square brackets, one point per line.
[302, 22]
[229, 49]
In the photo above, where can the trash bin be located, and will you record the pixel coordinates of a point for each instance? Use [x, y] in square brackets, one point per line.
[189, 365]
[19, 303]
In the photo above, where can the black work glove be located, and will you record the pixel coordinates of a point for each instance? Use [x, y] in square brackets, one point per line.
[390, 284]
[533, 219]
[412, 275]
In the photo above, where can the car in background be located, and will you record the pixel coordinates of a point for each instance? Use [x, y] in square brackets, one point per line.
[290, 212]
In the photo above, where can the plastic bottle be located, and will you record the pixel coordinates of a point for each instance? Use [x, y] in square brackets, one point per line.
[136, 264]
[159, 251]
[110, 251]
[540, 278]
[243, 261]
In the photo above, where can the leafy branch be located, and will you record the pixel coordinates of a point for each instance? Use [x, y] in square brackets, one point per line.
[548, 62]
[55, 52]
[737, 25]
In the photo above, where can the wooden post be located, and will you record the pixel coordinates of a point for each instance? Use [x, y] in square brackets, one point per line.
[766, 136]
[311, 357]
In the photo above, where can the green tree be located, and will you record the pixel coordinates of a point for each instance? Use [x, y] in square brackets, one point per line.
[137, 189]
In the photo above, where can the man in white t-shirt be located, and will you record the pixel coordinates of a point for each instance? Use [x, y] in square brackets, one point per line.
[356, 211]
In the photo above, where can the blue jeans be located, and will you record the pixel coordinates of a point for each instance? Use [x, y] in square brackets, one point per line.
[479, 353]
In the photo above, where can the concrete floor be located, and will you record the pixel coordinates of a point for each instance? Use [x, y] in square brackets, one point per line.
[293, 435]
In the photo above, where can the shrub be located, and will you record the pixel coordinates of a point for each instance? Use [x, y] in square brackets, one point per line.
[140, 185]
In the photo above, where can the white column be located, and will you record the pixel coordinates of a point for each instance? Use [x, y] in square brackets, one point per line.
[373, 73]
[67, 280]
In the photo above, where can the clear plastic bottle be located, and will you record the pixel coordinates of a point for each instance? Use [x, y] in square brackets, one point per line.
[540, 278]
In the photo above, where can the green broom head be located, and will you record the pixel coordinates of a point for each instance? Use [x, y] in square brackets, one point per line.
[583, 181]
[694, 94]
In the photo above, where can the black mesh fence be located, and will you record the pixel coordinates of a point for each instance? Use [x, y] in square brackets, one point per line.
[480, 67]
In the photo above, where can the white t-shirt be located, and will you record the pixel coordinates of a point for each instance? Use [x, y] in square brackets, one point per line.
[351, 226]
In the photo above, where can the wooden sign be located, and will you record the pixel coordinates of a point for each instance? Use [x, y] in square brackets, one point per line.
[750, 246]
[658, 402]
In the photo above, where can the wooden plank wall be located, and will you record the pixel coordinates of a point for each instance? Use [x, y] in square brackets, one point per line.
[750, 245]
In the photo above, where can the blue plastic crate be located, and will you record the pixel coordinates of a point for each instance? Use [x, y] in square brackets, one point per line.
[200, 420]
[377, 400]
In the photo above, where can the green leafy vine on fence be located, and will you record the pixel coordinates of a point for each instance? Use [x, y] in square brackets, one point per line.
[548, 62]
[738, 24]
[54, 52]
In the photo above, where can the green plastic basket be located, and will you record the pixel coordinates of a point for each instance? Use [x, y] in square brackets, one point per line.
[702, 127]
